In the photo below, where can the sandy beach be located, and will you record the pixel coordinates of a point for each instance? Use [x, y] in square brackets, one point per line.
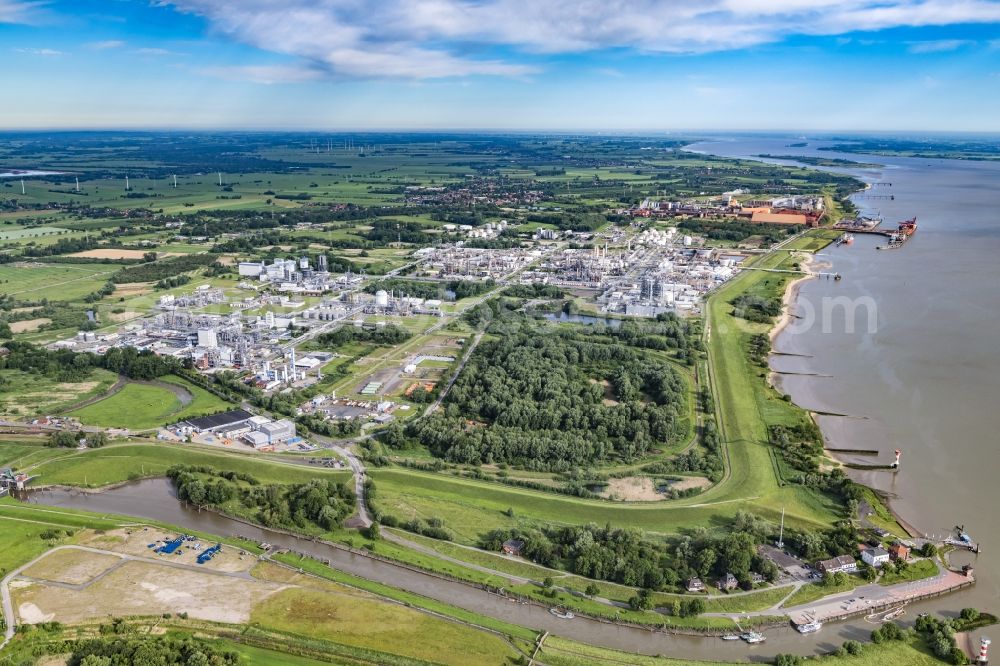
[811, 266]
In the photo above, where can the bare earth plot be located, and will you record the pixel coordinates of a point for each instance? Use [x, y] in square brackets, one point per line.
[145, 588]
[73, 567]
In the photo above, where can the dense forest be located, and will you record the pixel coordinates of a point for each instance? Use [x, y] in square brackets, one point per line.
[390, 334]
[162, 269]
[131, 650]
[558, 400]
[316, 503]
[425, 289]
[738, 230]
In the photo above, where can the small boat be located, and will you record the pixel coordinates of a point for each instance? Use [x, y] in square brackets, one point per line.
[731, 637]
[809, 627]
[562, 614]
[752, 637]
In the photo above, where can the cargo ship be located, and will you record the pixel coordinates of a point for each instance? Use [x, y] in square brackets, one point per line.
[907, 227]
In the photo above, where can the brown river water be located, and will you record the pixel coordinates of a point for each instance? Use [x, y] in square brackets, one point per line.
[926, 380]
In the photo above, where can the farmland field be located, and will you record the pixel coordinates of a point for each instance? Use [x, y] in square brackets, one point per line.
[58, 282]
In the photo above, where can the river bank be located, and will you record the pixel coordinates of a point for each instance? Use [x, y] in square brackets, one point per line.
[809, 265]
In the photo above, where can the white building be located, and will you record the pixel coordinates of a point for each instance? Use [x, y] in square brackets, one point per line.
[256, 439]
[251, 268]
[278, 431]
[876, 557]
[208, 338]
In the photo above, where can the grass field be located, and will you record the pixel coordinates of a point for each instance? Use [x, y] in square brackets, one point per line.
[914, 571]
[136, 406]
[469, 508]
[56, 282]
[20, 542]
[121, 462]
[141, 406]
[409, 598]
[24, 526]
[814, 591]
[255, 655]
[352, 618]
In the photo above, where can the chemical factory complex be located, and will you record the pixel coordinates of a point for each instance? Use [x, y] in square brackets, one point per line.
[264, 327]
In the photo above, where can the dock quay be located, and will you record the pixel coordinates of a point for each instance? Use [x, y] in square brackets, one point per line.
[875, 599]
[857, 452]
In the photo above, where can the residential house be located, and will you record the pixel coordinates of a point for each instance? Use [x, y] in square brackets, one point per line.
[899, 552]
[512, 547]
[695, 585]
[876, 557]
[728, 582]
[841, 563]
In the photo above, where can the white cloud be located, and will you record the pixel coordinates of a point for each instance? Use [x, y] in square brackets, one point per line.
[421, 39]
[266, 74]
[19, 11]
[938, 45]
[106, 45]
[154, 51]
[40, 52]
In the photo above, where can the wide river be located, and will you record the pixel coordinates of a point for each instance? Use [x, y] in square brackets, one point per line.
[926, 378]
[925, 381]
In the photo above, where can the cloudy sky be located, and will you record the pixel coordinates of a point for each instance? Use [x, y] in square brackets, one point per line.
[502, 64]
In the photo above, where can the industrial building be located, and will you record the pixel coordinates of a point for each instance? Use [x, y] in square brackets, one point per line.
[215, 422]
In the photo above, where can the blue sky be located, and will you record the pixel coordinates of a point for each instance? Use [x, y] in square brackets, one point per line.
[502, 64]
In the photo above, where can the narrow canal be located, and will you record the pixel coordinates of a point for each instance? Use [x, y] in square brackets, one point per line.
[154, 499]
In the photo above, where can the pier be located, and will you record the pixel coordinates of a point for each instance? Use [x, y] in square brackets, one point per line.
[875, 599]
[835, 276]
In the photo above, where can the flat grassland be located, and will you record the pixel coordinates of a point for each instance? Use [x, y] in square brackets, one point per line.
[136, 406]
[141, 406]
[57, 282]
[349, 617]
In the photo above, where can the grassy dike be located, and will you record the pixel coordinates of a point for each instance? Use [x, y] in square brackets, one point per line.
[556, 651]
[131, 460]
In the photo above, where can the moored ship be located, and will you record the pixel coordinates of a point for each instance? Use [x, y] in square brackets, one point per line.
[908, 227]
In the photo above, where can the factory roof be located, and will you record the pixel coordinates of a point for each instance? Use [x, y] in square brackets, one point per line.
[216, 421]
